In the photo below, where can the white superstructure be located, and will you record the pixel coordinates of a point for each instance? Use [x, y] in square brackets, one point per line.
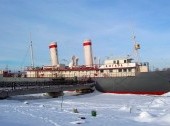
[120, 67]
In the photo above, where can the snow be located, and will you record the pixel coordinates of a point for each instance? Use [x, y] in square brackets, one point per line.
[111, 110]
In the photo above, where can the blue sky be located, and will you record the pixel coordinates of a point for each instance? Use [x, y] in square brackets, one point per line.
[108, 23]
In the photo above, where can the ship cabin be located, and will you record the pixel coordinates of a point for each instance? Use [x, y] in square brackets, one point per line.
[122, 67]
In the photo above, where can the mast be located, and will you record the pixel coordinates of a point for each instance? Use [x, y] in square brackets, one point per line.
[135, 49]
[31, 51]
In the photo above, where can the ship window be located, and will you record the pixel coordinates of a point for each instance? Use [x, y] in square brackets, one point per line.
[114, 62]
[109, 65]
[117, 61]
[124, 61]
[120, 70]
[110, 71]
[101, 71]
[106, 65]
[124, 70]
[128, 60]
[129, 69]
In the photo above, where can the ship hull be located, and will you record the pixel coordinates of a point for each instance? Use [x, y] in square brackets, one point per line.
[155, 83]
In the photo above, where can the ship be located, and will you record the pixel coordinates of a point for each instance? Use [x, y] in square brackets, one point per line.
[115, 75]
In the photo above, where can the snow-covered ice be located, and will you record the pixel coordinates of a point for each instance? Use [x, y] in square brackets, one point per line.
[111, 110]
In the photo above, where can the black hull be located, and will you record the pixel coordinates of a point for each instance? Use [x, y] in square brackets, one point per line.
[155, 83]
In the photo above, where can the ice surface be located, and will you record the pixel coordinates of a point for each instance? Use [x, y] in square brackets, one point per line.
[111, 110]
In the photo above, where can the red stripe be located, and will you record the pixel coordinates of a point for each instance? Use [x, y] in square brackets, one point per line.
[53, 46]
[141, 93]
[86, 43]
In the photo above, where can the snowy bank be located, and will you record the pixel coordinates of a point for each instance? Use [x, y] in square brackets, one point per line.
[111, 109]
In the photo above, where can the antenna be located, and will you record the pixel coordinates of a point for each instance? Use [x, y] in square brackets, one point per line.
[31, 50]
[136, 48]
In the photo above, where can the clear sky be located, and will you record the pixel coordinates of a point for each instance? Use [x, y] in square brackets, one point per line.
[108, 23]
